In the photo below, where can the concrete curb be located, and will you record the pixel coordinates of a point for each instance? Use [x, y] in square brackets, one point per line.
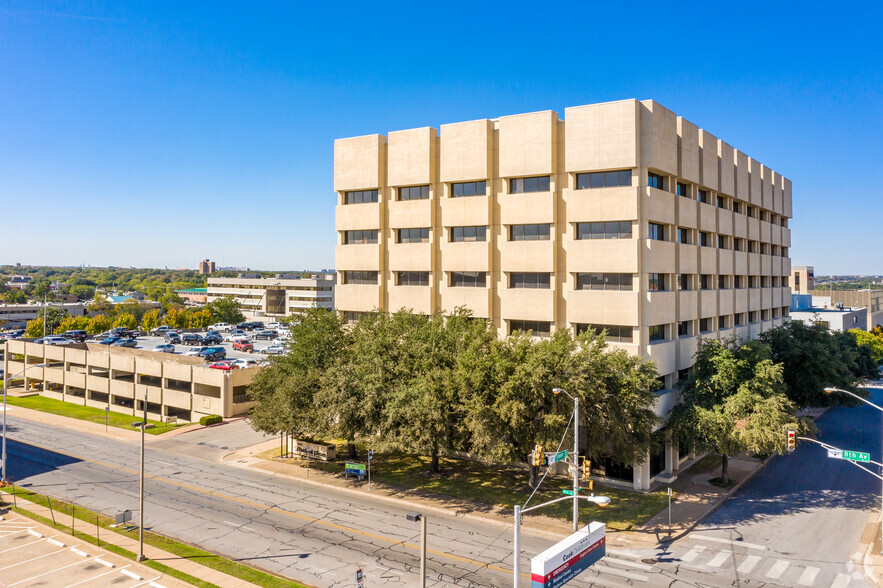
[719, 502]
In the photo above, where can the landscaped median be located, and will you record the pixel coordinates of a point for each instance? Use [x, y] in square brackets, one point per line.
[64, 511]
[490, 486]
[88, 413]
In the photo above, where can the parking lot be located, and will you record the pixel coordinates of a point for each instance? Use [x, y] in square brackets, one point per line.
[32, 554]
[148, 343]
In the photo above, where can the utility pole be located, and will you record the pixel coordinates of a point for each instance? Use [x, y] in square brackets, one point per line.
[557, 391]
[141, 499]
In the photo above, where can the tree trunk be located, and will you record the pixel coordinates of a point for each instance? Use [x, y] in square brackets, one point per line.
[725, 463]
[433, 464]
[532, 472]
[351, 449]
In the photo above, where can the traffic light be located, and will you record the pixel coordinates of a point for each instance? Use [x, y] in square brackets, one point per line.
[538, 455]
[790, 440]
[587, 469]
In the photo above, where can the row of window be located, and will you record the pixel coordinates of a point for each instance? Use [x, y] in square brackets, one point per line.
[656, 282]
[686, 236]
[655, 333]
[584, 181]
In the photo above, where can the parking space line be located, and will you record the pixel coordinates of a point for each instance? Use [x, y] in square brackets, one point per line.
[20, 546]
[90, 579]
[151, 582]
[131, 574]
[33, 559]
[15, 533]
[76, 563]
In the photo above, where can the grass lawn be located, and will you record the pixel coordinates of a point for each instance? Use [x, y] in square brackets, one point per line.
[88, 413]
[63, 511]
[497, 486]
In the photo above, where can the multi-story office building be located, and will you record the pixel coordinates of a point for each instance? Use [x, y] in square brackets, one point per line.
[277, 297]
[622, 216]
[206, 267]
[802, 279]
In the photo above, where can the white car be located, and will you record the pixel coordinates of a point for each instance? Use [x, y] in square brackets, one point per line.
[231, 338]
[194, 351]
[276, 326]
[55, 340]
[243, 363]
[220, 327]
[273, 350]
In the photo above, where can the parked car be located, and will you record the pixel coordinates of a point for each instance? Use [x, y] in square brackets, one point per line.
[126, 342]
[121, 332]
[211, 338]
[251, 325]
[237, 334]
[165, 348]
[159, 331]
[108, 340]
[273, 350]
[275, 326]
[55, 340]
[220, 327]
[243, 345]
[245, 363]
[213, 353]
[267, 334]
[173, 338]
[190, 339]
[76, 335]
[225, 364]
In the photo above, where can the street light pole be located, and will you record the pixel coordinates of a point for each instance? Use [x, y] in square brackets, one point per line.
[413, 517]
[556, 391]
[868, 402]
[141, 498]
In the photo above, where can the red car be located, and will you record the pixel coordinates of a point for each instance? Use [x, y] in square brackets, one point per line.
[224, 365]
[242, 345]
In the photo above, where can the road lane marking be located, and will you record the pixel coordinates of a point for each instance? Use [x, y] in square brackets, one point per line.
[693, 553]
[778, 569]
[718, 560]
[841, 581]
[727, 541]
[808, 576]
[746, 566]
[276, 509]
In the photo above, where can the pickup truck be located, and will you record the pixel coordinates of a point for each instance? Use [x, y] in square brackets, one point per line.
[220, 327]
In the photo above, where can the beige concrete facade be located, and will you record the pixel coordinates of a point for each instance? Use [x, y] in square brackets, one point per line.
[802, 279]
[870, 299]
[89, 374]
[693, 241]
[277, 297]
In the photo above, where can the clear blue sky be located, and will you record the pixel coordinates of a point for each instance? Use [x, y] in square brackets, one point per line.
[157, 134]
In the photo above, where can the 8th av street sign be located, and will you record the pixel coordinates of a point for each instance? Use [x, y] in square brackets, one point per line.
[849, 455]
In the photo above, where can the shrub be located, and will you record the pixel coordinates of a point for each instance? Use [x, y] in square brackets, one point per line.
[212, 419]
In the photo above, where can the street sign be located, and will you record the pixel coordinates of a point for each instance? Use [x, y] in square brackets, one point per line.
[370, 454]
[856, 456]
[567, 492]
[849, 455]
[359, 583]
[560, 456]
[566, 559]
[354, 469]
[122, 518]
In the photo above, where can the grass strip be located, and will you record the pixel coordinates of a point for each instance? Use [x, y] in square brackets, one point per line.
[495, 485]
[89, 413]
[183, 550]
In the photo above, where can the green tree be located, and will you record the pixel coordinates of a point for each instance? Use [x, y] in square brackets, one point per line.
[872, 340]
[171, 300]
[225, 310]
[199, 319]
[733, 401]
[151, 320]
[176, 318]
[814, 358]
[83, 292]
[72, 323]
[34, 328]
[98, 324]
[126, 320]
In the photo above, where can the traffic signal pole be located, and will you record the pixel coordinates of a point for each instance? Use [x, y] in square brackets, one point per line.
[575, 464]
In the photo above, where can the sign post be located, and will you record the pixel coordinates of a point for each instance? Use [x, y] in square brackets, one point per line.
[359, 583]
[308, 461]
[370, 457]
[669, 511]
[106, 410]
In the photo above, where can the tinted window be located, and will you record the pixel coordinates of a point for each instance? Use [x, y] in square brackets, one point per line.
[611, 179]
[362, 277]
[609, 230]
[536, 328]
[536, 280]
[461, 234]
[413, 278]
[360, 196]
[530, 232]
[526, 185]
[656, 232]
[414, 235]
[656, 181]
[360, 237]
[414, 193]
[468, 189]
[468, 279]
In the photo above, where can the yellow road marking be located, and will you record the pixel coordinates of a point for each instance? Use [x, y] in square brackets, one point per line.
[275, 509]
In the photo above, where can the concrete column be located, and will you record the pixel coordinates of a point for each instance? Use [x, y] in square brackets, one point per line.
[642, 474]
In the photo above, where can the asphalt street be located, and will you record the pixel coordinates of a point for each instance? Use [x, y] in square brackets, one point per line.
[796, 524]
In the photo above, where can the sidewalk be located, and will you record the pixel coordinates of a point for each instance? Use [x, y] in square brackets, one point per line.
[153, 553]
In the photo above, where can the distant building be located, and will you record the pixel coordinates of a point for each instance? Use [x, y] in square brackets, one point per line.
[18, 282]
[196, 295]
[802, 279]
[277, 297]
[820, 310]
[206, 267]
[117, 298]
[16, 316]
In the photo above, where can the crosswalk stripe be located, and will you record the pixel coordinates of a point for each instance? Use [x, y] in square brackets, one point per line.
[808, 576]
[841, 581]
[719, 559]
[778, 569]
[728, 541]
[693, 553]
[748, 565]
